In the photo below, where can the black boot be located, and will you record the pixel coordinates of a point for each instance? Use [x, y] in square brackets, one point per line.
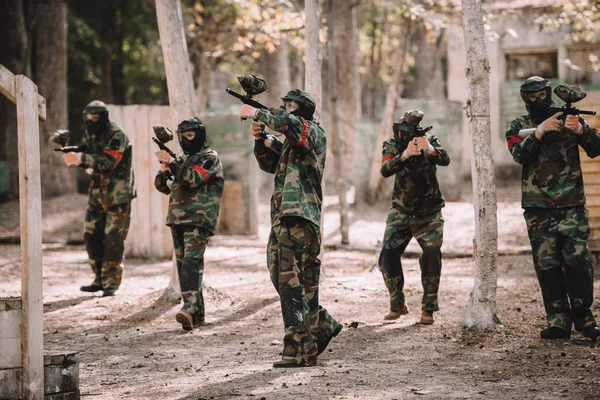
[91, 288]
[592, 332]
[109, 292]
[555, 333]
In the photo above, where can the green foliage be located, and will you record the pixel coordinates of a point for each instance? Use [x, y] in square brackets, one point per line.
[125, 29]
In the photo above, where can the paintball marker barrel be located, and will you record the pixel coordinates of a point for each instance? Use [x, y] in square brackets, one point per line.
[72, 149]
[245, 99]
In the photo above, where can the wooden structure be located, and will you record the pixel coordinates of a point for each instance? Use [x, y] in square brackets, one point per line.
[591, 171]
[30, 107]
[148, 236]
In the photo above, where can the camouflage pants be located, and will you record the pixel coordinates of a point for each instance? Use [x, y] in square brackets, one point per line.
[104, 237]
[399, 229]
[189, 244]
[563, 264]
[294, 267]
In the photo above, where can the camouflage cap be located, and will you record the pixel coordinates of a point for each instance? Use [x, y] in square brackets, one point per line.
[410, 121]
[190, 125]
[305, 101]
[534, 84]
[95, 107]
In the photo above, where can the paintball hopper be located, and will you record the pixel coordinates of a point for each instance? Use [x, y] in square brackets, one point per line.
[162, 133]
[569, 93]
[61, 137]
[252, 84]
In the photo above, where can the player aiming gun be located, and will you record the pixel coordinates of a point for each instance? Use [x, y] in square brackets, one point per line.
[569, 94]
[253, 86]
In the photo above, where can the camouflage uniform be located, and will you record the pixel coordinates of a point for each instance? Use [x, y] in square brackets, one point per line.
[557, 222]
[416, 211]
[195, 185]
[295, 239]
[111, 190]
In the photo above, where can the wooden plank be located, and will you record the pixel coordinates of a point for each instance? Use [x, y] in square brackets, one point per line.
[30, 196]
[174, 146]
[142, 165]
[8, 89]
[157, 205]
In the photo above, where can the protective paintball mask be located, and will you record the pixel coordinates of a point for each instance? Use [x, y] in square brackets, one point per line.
[194, 145]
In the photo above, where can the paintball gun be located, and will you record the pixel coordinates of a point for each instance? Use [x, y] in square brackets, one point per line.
[252, 85]
[163, 135]
[569, 94]
[62, 137]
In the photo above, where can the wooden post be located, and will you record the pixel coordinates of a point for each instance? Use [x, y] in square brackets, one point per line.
[30, 203]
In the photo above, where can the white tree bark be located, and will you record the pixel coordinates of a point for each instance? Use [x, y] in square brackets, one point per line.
[312, 66]
[179, 78]
[336, 132]
[385, 127]
[481, 310]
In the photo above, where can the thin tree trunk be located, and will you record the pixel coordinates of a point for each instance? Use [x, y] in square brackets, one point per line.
[312, 68]
[431, 48]
[345, 38]
[375, 187]
[17, 21]
[278, 73]
[335, 130]
[50, 59]
[481, 311]
[179, 79]
[204, 72]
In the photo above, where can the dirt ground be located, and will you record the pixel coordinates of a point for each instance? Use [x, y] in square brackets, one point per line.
[131, 347]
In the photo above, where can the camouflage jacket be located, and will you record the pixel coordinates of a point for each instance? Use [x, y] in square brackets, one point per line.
[109, 156]
[297, 163]
[551, 175]
[195, 184]
[416, 189]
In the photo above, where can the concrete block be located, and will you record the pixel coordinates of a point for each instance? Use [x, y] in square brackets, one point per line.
[10, 353]
[10, 384]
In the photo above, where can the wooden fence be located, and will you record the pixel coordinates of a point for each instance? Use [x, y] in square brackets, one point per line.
[148, 236]
[591, 171]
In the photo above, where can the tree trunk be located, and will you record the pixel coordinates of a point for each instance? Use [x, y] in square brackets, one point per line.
[336, 133]
[431, 49]
[375, 186]
[204, 72]
[312, 68]
[481, 311]
[278, 74]
[179, 79]
[345, 38]
[50, 62]
[17, 20]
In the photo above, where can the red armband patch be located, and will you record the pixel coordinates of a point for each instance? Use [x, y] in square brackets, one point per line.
[513, 140]
[386, 158]
[302, 141]
[114, 153]
[201, 171]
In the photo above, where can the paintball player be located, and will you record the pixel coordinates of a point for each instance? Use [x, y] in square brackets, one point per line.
[107, 153]
[553, 199]
[195, 184]
[417, 202]
[295, 238]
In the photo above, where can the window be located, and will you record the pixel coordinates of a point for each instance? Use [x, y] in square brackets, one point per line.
[522, 66]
